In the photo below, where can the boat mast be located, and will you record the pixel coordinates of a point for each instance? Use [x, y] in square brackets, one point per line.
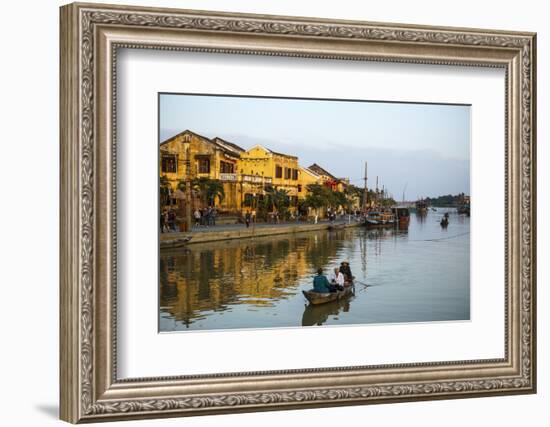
[376, 191]
[365, 192]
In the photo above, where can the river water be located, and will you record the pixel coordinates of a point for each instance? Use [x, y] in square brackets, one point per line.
[419, 274]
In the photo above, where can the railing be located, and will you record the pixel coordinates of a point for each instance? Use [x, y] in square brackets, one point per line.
[228, 176]
[256, 179]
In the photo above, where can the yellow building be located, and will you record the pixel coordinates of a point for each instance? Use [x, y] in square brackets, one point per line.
[244, 174]
[188, 155]
[260, 167]
[306, 177]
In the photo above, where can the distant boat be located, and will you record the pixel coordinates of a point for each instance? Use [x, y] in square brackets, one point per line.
[421, 206]
[464, 210]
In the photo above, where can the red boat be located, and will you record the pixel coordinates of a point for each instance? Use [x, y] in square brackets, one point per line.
[402, 215]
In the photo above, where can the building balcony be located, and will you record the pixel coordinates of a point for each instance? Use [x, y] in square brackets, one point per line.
[228, 176]
[255, 179]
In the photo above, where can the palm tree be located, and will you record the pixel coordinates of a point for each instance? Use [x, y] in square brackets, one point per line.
[278, 198]
[207, 189]
[215, 189]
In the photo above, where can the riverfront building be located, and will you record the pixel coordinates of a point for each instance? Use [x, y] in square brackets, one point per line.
[336, 184]
[188, 155]
[244, 174]
[260, 166]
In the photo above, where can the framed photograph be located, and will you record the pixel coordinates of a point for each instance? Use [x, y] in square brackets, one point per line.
[265, 213]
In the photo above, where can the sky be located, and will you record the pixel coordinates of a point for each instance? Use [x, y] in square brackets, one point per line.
[421, 150]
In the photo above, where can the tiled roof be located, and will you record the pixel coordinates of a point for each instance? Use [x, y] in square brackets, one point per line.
[320, 171]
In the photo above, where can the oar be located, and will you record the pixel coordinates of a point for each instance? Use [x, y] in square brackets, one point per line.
[361, 283]
[364, 284]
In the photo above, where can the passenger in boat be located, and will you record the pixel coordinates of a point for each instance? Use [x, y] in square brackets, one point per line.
[346, 271]
[321, 283]
[337, 280]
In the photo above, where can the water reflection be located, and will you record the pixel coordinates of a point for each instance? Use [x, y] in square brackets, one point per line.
[257, 283]
[319, 314]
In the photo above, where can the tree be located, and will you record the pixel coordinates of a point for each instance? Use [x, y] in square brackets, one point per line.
[214, 190]
[207, 189]
[340, 199]
[319, 196]
[164, 190]
[277, 199]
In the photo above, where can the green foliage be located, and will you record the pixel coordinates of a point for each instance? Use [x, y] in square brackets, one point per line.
[207, 189]
[164, 190]
[277, 200]
[321, 196]
[318, 196]
[387, 202]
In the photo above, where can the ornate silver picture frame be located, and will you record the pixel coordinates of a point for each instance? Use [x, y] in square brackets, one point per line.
[91, 390]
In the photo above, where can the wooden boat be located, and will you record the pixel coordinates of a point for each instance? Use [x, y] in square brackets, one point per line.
[421, 207]
[403, 216]
[377, 219]
[316, 298]
[175, 243]
[463, 210]
[333, 227]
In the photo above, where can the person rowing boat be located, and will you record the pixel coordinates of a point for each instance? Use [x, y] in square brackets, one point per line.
[323, 291]
[346, 271]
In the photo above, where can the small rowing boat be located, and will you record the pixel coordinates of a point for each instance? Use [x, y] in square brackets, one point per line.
[316, 298]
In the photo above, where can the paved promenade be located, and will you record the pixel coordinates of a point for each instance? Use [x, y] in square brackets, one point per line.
[240, 231]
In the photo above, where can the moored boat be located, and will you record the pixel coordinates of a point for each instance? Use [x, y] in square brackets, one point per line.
[316, 298]
[403, 216]
[375, 219]
[333, 227]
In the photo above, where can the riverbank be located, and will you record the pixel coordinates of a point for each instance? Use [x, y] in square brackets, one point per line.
[175, 240]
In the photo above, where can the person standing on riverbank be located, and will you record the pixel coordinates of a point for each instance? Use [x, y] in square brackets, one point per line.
[247, 219]
[213, 215]
[162, 224]
[197, 215]
[171, 220]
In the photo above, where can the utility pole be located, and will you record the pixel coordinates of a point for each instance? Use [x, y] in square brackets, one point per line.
[188, 196]
[365, 192]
